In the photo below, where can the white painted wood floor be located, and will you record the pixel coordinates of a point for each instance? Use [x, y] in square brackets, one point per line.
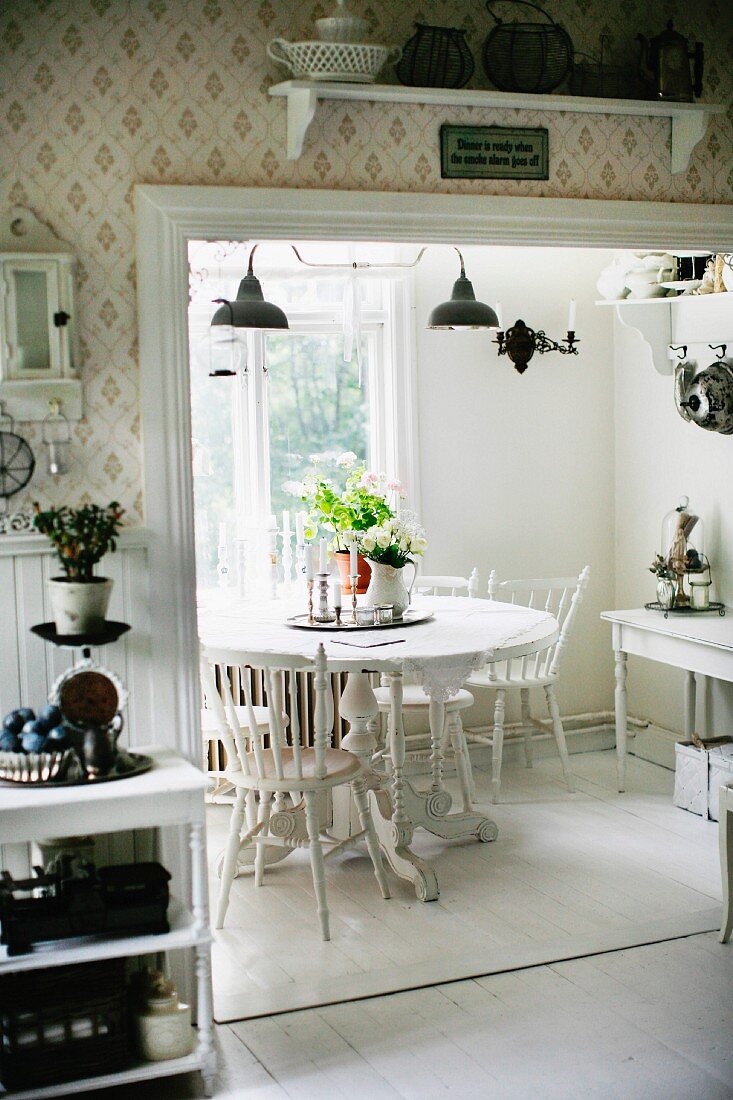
[652, 1022]
[649, 1023]
[568, 875]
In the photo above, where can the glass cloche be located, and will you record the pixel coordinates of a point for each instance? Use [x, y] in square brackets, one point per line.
[683, 545]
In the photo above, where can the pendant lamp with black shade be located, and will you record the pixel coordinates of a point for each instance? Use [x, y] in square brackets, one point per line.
[249, 309]
[462, 311]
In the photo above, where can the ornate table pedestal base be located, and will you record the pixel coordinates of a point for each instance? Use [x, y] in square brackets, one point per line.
[397, 808]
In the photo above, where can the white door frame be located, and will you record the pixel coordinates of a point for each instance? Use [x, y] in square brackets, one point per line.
[169, 216]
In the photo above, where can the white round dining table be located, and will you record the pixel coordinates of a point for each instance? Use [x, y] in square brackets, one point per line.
[461, 635]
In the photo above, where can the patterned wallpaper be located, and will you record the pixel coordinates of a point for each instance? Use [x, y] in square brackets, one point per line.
[97, 95]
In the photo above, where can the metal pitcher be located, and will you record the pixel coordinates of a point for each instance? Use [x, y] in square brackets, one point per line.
[665, 65]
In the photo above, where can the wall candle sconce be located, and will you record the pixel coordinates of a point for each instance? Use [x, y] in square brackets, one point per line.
[520, 342]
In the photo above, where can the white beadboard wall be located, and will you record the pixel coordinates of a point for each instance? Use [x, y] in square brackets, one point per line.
[29, 666]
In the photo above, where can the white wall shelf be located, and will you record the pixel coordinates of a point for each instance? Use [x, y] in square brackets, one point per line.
[665, 322]
[689, 120]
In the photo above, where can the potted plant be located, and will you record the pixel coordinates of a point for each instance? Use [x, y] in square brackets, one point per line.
[389, 547]
[348, 510]
[666, 582]
[80, 537]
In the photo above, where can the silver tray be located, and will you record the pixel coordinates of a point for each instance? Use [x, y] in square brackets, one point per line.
[140, 765]
[410, 618]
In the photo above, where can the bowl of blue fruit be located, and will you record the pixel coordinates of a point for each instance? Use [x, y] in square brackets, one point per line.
[37, 748]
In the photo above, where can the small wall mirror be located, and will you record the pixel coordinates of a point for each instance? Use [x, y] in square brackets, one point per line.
[38, 349]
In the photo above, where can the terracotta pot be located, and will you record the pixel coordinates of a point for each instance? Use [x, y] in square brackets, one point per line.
[342, 561]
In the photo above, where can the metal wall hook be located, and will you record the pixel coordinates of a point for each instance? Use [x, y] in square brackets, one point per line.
[681, 350]
[720, 348]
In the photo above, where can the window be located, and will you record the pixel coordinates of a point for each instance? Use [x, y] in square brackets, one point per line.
[338, 380]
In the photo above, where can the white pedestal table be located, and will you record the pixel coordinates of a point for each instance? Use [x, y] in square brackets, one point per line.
[462, 636]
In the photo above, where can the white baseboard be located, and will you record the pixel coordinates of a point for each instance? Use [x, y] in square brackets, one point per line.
[583, 733]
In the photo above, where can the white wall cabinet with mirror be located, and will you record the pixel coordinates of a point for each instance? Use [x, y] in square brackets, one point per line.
[38, 346]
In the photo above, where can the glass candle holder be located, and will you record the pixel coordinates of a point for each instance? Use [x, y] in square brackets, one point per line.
[384, 613]
[365, 616]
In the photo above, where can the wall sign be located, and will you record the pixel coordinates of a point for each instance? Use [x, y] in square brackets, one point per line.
[494, 152]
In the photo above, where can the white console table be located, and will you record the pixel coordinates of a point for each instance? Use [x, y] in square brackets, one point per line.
[171, 794]
[700, 644]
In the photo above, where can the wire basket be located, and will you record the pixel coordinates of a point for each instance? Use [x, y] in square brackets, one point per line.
[436, 57]
[63, 1023]
[356, 62]
[527, 57]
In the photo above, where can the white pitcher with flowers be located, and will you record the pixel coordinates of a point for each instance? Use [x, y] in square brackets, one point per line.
[390, 548]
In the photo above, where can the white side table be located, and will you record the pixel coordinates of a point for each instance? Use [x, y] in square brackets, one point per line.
[172, 793]
[700, 644]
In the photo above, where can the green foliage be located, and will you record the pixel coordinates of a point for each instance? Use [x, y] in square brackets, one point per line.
[357, 507]
[80, 536]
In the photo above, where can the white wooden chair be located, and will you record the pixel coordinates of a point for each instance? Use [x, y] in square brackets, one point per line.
[415, 700]
[560, 596]
[725, 834]
[216, 734]
[293, 775]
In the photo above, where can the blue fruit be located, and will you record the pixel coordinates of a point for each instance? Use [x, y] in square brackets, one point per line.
[33, 742]
[33, 726]
[15, 721]
[50, 716]
[57, 739]
[9, 742]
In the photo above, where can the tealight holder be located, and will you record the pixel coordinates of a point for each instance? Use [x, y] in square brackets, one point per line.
[364, 616]
[323, 613]
[384, 613]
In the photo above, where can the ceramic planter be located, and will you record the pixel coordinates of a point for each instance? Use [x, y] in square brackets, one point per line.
[79, 607]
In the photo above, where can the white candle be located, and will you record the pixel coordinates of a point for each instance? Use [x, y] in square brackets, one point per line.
[353, 563]
[309, 561]
[286, 523]
[336, 592]
[323, 556]
[571, 316]
[300, 528]
[222, 534]
[500, 315]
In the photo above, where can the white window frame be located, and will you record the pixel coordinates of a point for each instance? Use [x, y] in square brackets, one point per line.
[392, 400]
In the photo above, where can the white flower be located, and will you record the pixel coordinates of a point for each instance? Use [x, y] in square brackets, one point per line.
[419, 545]
[368, 480]
[348, 458]
[384, 539]
[367, 543]
[294, 488]
[396, 487]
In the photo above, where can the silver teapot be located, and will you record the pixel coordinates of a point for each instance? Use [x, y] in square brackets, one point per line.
[706, 398]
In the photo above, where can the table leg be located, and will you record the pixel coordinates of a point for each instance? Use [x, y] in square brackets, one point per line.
[621, 717]
[726, 861]
[431, 810]
[359, 707]
[690, 704]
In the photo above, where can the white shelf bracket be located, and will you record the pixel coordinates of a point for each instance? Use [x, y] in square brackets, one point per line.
[653, 325]
[687, 130]
[301, 109]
